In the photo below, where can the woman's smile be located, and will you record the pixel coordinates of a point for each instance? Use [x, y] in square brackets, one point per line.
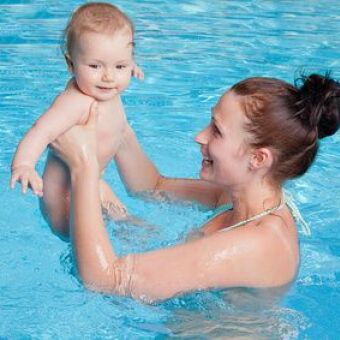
[206, 161]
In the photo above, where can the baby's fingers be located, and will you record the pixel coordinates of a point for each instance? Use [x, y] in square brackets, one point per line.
[24, 183]
[138, 73]
[37, 186]
[14, 179]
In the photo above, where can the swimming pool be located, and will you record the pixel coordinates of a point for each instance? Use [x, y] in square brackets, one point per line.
[190, 52]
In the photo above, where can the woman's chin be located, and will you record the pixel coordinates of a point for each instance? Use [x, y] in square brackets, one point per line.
[205, 174]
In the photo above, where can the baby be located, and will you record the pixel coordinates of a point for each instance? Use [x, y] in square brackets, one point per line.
[99, 54]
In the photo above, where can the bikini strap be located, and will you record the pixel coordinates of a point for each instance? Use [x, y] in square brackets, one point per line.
[296, 214]
[258, 216]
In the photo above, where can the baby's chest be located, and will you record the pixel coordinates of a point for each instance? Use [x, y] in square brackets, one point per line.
[109, 133]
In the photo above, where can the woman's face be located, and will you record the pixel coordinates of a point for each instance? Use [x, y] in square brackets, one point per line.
[226, 156]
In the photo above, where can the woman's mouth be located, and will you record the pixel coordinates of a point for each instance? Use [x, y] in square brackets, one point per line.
[206, 161]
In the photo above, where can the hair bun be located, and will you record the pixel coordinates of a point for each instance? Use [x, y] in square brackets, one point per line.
[319, 103]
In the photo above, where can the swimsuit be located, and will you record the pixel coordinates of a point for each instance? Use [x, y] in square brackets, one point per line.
[286, 200]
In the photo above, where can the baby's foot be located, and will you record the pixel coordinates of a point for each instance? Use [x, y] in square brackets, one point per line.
[114, 210]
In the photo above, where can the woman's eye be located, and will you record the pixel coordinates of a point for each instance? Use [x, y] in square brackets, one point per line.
[216, 131]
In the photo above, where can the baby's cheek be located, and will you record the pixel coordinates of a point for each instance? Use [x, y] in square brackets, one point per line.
[124, 83]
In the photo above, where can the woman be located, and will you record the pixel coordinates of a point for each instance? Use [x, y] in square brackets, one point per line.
[262, 132]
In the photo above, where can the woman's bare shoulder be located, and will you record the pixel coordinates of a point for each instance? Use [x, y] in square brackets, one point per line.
[266, 250]
[277, 250]
[250, 256]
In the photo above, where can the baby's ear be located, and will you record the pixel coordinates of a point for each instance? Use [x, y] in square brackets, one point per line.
[69, 62]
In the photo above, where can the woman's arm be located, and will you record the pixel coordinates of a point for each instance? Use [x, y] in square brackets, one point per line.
[140, 175]
[253, 256]
[237, 258]
[91, 244]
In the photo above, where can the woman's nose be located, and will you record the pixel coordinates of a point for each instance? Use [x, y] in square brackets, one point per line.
[203, 136]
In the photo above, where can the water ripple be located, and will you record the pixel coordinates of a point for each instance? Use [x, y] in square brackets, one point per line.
[191, 52]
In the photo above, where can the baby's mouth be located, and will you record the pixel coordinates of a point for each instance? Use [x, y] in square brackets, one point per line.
[105, 88]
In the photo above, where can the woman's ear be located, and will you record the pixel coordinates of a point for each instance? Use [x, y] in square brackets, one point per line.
[69, 62]
[261, 158]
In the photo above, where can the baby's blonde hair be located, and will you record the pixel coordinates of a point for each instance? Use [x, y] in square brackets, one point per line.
[99, 17]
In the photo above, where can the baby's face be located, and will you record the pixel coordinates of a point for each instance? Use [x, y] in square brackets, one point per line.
[102, 63]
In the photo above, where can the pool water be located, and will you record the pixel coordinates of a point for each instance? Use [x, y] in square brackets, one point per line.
[191, 52]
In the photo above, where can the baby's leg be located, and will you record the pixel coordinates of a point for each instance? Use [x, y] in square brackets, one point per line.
[115, 209]
[111, 204]
[55, 203]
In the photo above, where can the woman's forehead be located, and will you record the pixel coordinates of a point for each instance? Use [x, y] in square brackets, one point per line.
[229, 104]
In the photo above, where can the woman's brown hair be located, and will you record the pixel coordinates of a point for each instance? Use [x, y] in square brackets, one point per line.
[290, 119]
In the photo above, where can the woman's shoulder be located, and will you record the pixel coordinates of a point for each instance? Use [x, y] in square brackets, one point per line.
[249, 256]
[277, 248]
[279, 225]
[267, 249]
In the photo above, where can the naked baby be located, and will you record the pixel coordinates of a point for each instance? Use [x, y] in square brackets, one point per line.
[99, 54]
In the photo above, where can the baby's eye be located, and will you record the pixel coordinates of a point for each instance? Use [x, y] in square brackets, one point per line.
[95, 66]
[120, 67]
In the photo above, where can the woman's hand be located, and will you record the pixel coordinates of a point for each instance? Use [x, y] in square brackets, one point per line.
[77, 146]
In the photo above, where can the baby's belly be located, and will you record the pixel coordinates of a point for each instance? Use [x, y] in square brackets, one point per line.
[106, 150]
[110, 130]
[57, 173]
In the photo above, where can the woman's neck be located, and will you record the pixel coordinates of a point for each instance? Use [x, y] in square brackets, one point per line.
[253, 198]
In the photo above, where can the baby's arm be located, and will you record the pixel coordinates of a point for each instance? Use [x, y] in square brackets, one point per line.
[66, 111]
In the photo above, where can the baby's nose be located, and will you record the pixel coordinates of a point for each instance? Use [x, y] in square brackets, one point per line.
[109, 75]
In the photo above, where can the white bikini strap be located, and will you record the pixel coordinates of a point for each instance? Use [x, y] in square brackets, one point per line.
[258, 216]
[296, 214]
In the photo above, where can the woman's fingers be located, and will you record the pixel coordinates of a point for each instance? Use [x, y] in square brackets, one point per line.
[55, 145]
[78, 143]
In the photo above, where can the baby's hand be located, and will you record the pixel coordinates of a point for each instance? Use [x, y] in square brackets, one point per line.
[114, 210]
[28, 177]
[137, 72]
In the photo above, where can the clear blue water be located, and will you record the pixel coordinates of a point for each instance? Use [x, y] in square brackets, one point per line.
[191, 52]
